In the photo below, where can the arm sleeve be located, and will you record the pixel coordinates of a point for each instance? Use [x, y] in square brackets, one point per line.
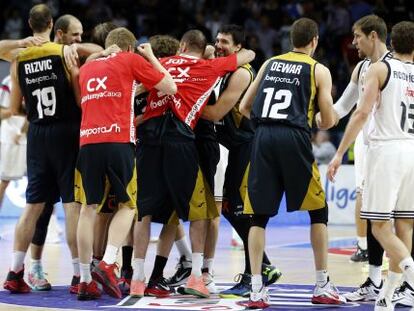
[144, 72]
[223, 65]
[347, 100]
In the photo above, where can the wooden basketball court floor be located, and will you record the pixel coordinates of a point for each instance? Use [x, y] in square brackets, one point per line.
[287, 246]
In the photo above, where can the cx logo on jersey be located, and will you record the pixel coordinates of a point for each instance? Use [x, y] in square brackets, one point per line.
[95, 84]
[182, 72]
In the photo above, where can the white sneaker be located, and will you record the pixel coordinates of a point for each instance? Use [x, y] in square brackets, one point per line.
[366, 292]
[383, 304]
[403, 296]
[209, 283]
[327, 294]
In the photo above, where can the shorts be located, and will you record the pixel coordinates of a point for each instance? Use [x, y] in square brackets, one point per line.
[209, 157]
[389, 181]
[106, 166]
[360, 152]
[282, 162]
[12, 161]
[52, 150]
[170, 180]
[235, 179]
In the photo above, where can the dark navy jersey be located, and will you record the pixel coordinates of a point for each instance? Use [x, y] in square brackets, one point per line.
[45, 84]
[287, 91]
[235, 129]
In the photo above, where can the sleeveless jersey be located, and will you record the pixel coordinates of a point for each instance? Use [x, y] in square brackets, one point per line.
[393, 117]
[362, 71]
[287, 91]
[234, 128]
[45, 84]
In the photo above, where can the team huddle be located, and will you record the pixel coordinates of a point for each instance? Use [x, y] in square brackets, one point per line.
[126, 135]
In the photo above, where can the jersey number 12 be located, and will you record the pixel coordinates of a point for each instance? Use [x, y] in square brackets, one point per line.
[282, 100]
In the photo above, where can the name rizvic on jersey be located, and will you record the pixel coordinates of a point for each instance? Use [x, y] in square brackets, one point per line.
[38, 66]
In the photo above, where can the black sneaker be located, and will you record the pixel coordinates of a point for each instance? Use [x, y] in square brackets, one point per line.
[241, 289]
[182, 274]
[158, 288]
[361, 255]
[270, 274]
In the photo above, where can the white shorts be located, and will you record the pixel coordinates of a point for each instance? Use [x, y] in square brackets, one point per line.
[388, 181]
[12, 161]
[360, 152]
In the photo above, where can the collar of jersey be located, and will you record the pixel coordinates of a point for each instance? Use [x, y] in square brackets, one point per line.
[189, 56]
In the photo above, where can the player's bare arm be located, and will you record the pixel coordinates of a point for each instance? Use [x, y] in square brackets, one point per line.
[239, 81]
[245, 56]
[324, 97]
[104, 53]
[374, 80]
[16, 96]
[167, 84]
[10, 48]
[248, 98]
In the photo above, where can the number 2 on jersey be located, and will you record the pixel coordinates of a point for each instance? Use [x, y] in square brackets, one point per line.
[46, 101]
[404, 116]
[282, 100]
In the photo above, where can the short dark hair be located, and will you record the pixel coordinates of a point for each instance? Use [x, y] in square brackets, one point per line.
[63, 22]
[101, 31]
[122, 37]
[195, 40]
[402, 37]
[164, 45]
[303, 31]
[236, 31]
[40, 17]
[370, 23]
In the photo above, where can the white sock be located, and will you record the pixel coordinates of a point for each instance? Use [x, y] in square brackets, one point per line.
[35, 262]
[85, 272]
[257, 283]
[76, 268]
[138, 266]
[321, 277]
[183, 248]
[17, 261]
[110, 254]
[375, 274]
[197, 259]
[362, 242]
[407, 267]
[391, 283]
[208, 263]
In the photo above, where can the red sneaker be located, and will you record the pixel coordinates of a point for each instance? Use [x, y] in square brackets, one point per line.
[88, 291]
[105, 275]
[74, 285]
[158, 288]
[15, 283]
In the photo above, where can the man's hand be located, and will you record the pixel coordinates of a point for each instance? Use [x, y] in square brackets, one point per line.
[145, 50]
[111, 50]
[333, 167]
[209, 52]
[71, 55]
[31, 41]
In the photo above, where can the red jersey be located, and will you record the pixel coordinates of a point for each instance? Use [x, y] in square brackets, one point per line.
[107, 96]
[195, 79]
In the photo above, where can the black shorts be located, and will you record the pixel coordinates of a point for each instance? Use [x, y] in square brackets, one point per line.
[170, 182]
[209, 157]
[52, 150]
[282, 162]
[106, 166]
[235, 179]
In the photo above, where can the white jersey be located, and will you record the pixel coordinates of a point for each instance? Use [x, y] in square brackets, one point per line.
[393, 116]
[363, 69]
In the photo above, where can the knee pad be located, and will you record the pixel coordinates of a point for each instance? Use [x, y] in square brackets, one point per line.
[319, 216]
[259, 221]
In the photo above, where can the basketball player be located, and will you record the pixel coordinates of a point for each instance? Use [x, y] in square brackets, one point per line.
[389, 174]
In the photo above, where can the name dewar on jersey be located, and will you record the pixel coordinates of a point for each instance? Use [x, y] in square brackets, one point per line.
[95, 85]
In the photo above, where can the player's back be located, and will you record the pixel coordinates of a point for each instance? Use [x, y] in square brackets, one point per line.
[394, 114]
[287, 91]
[45, 84]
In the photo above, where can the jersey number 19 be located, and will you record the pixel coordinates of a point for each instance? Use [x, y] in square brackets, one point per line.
[46, 101]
